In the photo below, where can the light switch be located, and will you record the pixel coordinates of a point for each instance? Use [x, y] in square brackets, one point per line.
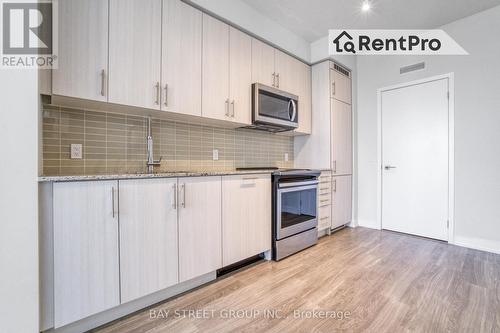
[215, 155]
[76, 151]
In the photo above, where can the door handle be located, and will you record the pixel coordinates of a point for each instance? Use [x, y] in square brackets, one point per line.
[103, 83]
[333, 88]
[157, 86]
[113, 201]
[166, 94]
[232, 108]
[274, 79]
[174, 203]
[278, 80]
[227, 107]
[389, 167]
[183, 202]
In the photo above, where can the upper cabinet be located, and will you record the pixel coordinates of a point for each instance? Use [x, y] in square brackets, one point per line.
[263, 63]
[226, 84]
[83, 50]
[340, 86]
[135, 53]
[181, 58]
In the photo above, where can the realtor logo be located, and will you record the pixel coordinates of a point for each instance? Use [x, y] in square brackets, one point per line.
[28, 35]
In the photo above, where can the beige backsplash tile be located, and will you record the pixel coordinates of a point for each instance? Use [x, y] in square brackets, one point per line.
[116, 143]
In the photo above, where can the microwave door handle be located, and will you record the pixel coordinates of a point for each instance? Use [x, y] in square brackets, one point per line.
[293, 105]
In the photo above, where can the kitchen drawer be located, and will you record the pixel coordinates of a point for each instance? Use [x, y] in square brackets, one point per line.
[325, 188]
[324, 199]
[324, 217]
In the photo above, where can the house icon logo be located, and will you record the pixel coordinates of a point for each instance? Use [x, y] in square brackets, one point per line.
[347, 44]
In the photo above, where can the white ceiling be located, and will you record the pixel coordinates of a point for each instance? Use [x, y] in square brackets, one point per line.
[311, 19]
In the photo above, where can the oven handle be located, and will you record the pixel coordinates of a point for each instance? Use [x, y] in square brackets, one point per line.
[305, 183]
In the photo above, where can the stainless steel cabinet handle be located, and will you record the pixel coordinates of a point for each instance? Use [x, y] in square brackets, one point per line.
[274, 79]
[325, 200]
[103, 82]
[157, 86]
[232, 108]
[389, 167]
[174, 202]
[333, 88]
[278, 80]
[166, 94]
[113, 201]
[335, 166]
[335, 185]
[183, 202]
[227, 107]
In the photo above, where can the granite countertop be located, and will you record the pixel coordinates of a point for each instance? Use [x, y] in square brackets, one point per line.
[153, 175]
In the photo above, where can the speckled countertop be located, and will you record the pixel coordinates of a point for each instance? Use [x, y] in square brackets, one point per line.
[154, 175]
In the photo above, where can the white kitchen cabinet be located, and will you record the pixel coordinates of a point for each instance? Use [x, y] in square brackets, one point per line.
[148, 236]
[263, 70]
[341, 201]
[288, 72]
[341, 137]
[86, 254]
[240, 76]
[135, 53]
[181, 58]
[324, 200]
[83, 50]
[199, 216]
[246, 216]
[215, 84]
[340, 86]
[305, 104]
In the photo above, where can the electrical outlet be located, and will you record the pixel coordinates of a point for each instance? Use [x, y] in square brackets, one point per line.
[76, 151]
[286, 157]
[215, 155]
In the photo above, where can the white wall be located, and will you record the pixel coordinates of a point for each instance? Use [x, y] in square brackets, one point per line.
[477, 126]
[18, 201]
[239, 13]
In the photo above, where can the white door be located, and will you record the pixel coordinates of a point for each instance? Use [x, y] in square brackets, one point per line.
[135, 52]
[341, 138]
[83, 50]
[181, 58]
[200, 226]
[341, 201]
[86, 268]
[148, 236]
[415, 159]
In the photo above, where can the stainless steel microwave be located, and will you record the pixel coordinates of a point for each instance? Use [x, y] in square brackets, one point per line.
[274, 110]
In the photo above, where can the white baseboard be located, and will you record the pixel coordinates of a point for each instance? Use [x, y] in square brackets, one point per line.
[478, 244]
[372, 224]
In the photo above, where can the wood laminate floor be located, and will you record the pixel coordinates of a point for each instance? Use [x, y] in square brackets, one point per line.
[385, 281]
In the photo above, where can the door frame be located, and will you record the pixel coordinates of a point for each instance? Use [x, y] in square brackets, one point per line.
[451, 147]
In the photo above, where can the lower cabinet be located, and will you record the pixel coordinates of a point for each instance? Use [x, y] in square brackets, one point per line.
[148, 236]
[246, 216]
[325, 201]
[200, 249]
[86, 254]
[341, 200]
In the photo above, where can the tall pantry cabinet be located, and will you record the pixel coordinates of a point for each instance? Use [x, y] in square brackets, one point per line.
[329, 147]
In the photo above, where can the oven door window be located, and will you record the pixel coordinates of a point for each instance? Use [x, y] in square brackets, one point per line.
[297, 207]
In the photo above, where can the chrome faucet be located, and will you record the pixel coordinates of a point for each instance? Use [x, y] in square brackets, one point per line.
[151, 163]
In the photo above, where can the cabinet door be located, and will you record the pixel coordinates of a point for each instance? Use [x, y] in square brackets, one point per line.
[341, 138]
[246, 216]
[341, 201]
[288, 72]
[199, 226]
[215, 86]
[148, 236]
[240, 76]
[181, 58]
[83, 50]
[135, 52]
[86, 271]
[305, 104]
[262, 63]
[340, 86]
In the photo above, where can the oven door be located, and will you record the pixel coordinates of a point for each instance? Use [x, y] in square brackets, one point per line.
[273, 106]
[296, 209]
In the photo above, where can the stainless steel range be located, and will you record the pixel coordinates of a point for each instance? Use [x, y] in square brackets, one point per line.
[294, 211]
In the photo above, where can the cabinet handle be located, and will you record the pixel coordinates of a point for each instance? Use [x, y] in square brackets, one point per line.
[335, 166]
[274, 79]
[227, 107]
[333, 88]
[232, 108]
[103, 82]
[113, 201]
[166, 94]
[324, 218]
[335, 185]
[157, 86]
[326, 200]
[174, 203]
[278, 80]
[183, 189]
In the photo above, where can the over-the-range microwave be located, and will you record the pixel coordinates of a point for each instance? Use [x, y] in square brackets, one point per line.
[273, 110]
